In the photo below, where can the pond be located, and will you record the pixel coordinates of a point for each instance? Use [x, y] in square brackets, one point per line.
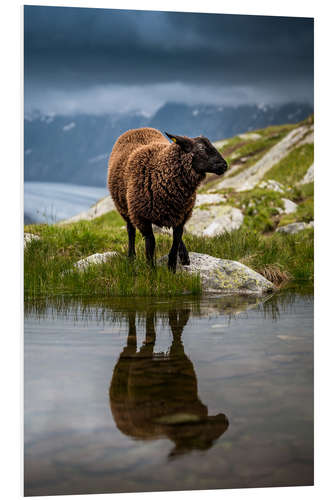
[129, 394]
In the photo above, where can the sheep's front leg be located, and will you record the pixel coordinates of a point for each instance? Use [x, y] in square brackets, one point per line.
[183, 254]
[177, 238]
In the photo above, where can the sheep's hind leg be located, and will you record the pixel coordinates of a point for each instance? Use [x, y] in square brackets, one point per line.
[147, 232]
[177, 238]
[183, 254]
[131, 239]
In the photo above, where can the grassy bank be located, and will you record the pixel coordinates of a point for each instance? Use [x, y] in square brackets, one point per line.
[48, 262]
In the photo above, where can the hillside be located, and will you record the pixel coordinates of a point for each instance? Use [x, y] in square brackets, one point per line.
[268, 169]
[75, 148]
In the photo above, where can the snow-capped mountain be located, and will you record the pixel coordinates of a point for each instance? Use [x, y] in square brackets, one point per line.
[75, 148]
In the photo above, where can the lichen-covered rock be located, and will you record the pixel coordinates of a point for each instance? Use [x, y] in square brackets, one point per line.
[225, 276]
[28, 237]
[294, 227]
[214, 220]
[96, 258]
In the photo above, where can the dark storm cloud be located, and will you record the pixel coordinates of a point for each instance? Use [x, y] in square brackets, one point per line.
[68, 49]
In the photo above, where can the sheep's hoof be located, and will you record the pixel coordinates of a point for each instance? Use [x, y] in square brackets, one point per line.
[185, 261]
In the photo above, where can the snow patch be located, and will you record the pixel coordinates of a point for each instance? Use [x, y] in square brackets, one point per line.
[69, 126]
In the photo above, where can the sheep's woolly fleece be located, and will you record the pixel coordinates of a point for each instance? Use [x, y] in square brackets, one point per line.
[152, 180]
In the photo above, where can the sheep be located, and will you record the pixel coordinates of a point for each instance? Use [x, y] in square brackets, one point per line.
[153, 181]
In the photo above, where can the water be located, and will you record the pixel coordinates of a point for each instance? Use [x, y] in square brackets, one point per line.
[125, 395]
[53, 201]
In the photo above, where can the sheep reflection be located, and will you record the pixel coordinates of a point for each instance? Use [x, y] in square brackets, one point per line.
[156, 395]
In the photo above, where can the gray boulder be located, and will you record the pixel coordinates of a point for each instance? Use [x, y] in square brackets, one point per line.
[214, 220]
[96, 258]
[209, 199]
[225, 276]
[289, 207]
[294, 227]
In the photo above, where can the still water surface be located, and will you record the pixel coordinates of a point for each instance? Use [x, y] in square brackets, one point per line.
[125, 395]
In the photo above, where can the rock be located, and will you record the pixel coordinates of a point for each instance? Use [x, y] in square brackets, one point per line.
[225, 276]
[28, 237]
[308, 138]
[162, 230]
[308, 177]
[251, 136]
[215, 220]
[250, 177]
[289, 207]
[209, 199]
[295, 227]
[272, 185]
[220, 144]
[96, 258]
[102, 207]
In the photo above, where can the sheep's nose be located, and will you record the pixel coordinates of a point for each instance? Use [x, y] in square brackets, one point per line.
[223, 167]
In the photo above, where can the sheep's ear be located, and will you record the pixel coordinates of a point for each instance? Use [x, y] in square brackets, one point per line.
[184, 142]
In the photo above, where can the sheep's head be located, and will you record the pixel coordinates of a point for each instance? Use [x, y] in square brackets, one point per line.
[206, 158]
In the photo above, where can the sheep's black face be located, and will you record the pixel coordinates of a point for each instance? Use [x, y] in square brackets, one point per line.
[206, 158]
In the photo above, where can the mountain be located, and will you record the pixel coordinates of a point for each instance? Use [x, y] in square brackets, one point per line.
[76, 148]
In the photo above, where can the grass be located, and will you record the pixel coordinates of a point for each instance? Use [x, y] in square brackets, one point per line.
[253, 151]
[303, 196]
[48, 262]
[293, 167]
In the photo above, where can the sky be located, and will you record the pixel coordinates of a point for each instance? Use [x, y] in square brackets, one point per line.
[79, 60]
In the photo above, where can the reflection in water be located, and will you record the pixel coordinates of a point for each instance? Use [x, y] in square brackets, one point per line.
[155, 395]
[250, 358]
[112, 309]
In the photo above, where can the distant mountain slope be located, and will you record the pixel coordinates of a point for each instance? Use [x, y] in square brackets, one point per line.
[75, 149]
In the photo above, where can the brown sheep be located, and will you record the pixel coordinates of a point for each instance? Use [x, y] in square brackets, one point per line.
[154, 182]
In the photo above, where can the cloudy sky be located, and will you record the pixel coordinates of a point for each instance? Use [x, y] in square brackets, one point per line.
[97, 60]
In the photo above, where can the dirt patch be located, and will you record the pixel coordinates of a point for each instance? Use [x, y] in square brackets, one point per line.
[227, 151]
